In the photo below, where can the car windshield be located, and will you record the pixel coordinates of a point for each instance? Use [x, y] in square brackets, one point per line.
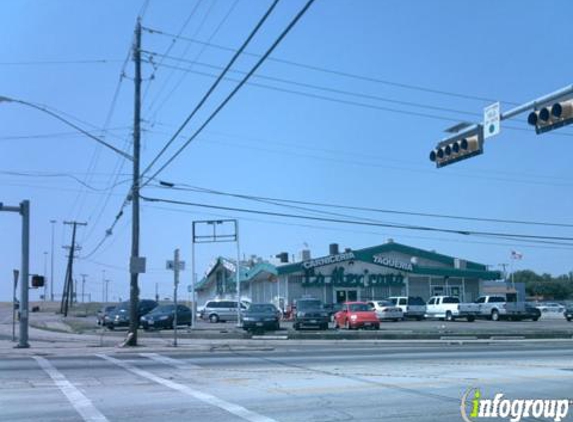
[385, 303]
[416, 301]
[359, 307]
[304, 305]
[262, 308]
[163, 309]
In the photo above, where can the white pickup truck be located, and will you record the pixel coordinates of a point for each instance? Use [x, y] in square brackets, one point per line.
[450, 308]
[497, 307]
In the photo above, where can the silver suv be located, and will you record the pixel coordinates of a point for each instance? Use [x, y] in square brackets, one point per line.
[221, 310]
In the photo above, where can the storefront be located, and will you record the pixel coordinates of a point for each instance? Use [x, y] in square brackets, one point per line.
[387, 270]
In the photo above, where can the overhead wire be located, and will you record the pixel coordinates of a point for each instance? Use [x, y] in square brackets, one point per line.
[170, 76]
[465, 232]
[339, 72]
[215, 84]
[197, 56]
[236, 89]
[290, 202]
[173, 42]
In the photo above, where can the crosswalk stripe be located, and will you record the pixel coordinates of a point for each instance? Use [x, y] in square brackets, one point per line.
[81, 403]
[232, 408]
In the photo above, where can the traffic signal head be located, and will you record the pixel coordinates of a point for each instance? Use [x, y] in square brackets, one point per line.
[462, 145]
[37, 281]
[551, 116]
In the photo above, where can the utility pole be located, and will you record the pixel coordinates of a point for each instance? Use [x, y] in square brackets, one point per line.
[52, 222]
[106, 290]
[137, 264]
[83, 286]
[68, 293]
[45, 276]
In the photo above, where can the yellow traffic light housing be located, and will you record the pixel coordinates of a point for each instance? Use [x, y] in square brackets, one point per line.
[551, 116]
[462, 145]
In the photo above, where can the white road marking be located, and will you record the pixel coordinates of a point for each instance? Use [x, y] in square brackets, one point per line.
[169, 361]
[199, 395]
[81, 403]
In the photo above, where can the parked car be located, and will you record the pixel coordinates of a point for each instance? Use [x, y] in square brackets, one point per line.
[310, 312]
[332, 309]
[450, 308]
[386, 310]
[569, 312]
[261, 317]
[221, 310]
[411, 306]
[103, 312]
[163, 316]
[119, 317]
[550, 308]
[356, 315]
[497, 307]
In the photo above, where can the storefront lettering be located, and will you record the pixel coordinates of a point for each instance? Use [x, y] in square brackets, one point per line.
[332, 259]
[393, 263]
[338, 277]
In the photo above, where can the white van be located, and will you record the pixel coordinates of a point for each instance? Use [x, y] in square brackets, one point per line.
[412, 306]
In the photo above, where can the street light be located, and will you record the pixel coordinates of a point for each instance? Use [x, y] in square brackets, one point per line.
[67, 122]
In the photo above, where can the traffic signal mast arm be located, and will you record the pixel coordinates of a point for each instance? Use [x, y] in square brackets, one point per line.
[549, 112]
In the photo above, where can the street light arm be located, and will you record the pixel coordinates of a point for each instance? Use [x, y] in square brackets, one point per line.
[67, 122]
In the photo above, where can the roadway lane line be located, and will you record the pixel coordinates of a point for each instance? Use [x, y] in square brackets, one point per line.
[169, 361]
[81, 403]
[199, 395]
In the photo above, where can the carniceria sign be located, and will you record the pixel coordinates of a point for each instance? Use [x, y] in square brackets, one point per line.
[332, 259]
[393, 263]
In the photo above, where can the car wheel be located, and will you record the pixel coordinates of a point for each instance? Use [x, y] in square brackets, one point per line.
[495, 315]
[214, 318]
[295, 326]
[377, 327]
[449, 316]
[535, 318]
[324, 326]
[420, 318]
[569, 319]
[471, 319]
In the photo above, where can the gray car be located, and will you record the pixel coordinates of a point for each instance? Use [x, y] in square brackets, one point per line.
[221, 310]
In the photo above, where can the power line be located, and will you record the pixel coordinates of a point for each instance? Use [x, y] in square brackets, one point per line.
[308, 85]
[199, 54]
[173, 42]
[236, 89]
[215, 84]
[199, 28]
[354, 231]
[368, 209]
[338, 72]
[513, 236]
[60, 62]
[364, 105]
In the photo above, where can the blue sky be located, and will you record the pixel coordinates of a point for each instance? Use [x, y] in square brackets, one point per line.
[339, 139]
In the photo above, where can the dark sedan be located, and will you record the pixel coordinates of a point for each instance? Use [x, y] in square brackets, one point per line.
[261, 317]
[103, 313]
[164, 317]
[119, 317]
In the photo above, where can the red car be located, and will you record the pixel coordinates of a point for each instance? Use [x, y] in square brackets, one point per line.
[354, 315]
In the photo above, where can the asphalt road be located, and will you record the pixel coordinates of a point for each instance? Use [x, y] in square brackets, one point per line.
[295, 383]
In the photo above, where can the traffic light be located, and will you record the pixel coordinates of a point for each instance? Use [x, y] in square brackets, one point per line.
[462, 145]
[37, 281]
[551, 116]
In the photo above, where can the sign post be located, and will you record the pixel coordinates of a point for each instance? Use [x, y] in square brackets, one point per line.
[176, 265]
[16, 274]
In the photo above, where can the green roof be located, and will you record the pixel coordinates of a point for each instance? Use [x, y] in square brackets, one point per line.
[472, 270]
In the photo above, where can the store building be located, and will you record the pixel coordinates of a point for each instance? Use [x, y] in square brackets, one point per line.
[391, 269]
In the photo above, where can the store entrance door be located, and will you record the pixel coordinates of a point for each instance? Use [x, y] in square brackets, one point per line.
[345, 295]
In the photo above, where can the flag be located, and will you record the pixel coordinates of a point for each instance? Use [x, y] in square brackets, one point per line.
[516, 255]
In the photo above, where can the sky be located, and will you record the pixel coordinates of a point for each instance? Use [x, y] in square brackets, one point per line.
[345, 112]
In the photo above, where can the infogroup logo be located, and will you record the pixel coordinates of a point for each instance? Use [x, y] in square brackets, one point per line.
[474, 407]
